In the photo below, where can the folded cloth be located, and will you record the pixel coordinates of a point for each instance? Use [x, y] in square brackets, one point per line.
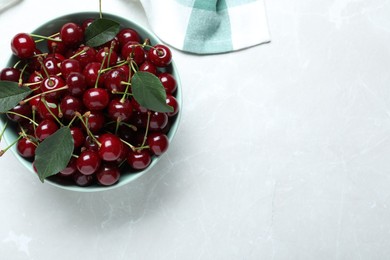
[208, 26]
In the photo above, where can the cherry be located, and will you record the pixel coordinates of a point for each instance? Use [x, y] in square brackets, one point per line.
[90, 144]
[68, 66]
[43, 106]
[168, 81]
[78, 136]
[108, 174]
[20, 109]
[91, 73]
[127, 34]
[69, 106]
[133, 50]
[111, 58]
[86, 23]
[70, 169]
[76, 84]
[158, 143]
[172, 101]
[148, 67]
[139, 159]
[111, 147]
[88, 162]
[52, 83]
[160, 55]
[95, 121]
[83, 180]
[120, 110]
[52, 65]
[96, 99]
[157, 121]
[26, 148]
[71, 34]
[56, 46]
[23, 45]
[10, 74]
[86, 55]
[45, 128]
[113, 79]
[138, 107]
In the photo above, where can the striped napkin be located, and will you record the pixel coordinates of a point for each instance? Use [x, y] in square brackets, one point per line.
[208, 26]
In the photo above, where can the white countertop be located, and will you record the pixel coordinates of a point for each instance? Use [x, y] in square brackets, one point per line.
[283, 151]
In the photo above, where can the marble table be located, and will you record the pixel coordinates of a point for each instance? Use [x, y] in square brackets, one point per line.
[283, 151]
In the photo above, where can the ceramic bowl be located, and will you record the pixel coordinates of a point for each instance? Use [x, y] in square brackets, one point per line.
[52, 27]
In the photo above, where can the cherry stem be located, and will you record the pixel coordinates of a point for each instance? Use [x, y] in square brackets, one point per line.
[21, 74]
[71, 121]
[100, 70]
[43, 94]
[3, 130]
[146, 130]
[85, 123]
[9, 146]
[40, 60]
[132, 147]
[31, 84]
[25, 117]
[51, 112]
[84, 50]
[121, 63]
[100, 9]
[41, 37]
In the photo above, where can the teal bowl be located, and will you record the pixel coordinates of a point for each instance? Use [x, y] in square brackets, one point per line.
[52, 27]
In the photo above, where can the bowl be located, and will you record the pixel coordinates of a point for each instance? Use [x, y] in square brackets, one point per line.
[127, 175]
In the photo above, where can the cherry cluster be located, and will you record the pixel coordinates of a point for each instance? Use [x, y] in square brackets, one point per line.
[88, 89]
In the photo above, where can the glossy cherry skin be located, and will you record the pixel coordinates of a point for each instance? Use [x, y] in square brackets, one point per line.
[56, 46]
[96, 99]
[147, 66]
[160, 55]
[157, 121]
[158, 143]
[76, 84]
[95, 121]
[24, 110]
[139, 159]
[134, 51]
[51, 84]
[52, 65]
[88, 162]
[172, 101]
[68, 66]
[108, 174]
[91, 73]
[113, 79]
[69, 106]
[26, 148]
[70, 169]
[120, 110]
[23, 45]
[168, 81]
[43, 110]
[86, 56]
[45, 128]
[108, 56]
[110, 147]
[127, 34]
[78, 136]
[10, 74]
[71, 34]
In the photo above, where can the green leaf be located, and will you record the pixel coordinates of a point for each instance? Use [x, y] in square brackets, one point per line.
[149, 92]
[101, 31]
[11, 94]
[54, 153]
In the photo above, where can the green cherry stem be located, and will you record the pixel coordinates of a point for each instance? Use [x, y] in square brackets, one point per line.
[100, 9]
[41, 37]
[51, 112]
[9, 146]
[146, 130]
[85, 123]
[25, 117]
[3, 130]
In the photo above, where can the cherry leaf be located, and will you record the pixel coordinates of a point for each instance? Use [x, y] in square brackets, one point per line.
[149, 92]
[11, 94]
[101, 31]
[54, 153]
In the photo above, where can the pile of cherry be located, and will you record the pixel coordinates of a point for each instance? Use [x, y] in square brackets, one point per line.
[88, 89]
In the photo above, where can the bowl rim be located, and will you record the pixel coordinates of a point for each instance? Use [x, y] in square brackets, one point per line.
[144, 32]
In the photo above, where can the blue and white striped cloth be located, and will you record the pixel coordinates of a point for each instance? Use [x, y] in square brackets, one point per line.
[208, 26]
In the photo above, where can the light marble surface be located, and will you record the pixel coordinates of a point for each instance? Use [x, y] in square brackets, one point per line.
[283, 151]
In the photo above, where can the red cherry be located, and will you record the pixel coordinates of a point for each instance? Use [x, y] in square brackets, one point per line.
[69, 106]
[45, 128]
[26, 148]
[139, 159]
[108, 174]
[168, 81]
[127, 34]
[71, 34]
[78, 136]
[134, 51]
[160, 55]
[10, 74]
[76, 84]
[119, 109]
[88, 162]
[158, 143]
[96, 99]
[70, 168]
[51, 84]
[111, 147]
[23, 45]
[172, 101]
